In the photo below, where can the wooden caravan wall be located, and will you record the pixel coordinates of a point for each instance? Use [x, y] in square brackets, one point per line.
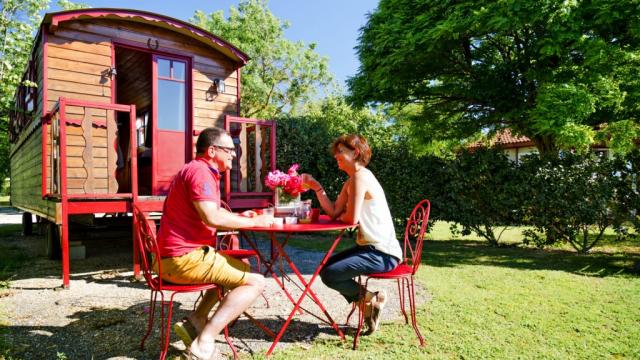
[26, 177]
[26, 155]
[79, 58]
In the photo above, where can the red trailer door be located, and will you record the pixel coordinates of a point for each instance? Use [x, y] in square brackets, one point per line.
[170, 120]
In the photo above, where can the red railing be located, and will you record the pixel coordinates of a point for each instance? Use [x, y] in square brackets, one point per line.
[91, 167]
[255, 142]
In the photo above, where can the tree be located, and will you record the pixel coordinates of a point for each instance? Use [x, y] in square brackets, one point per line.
[18, 21]
[281, 74]
[68, 5]
[563, 73]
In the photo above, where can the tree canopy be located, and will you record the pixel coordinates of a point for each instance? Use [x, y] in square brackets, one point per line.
[18, 21]
[282, 74]
[563, 73]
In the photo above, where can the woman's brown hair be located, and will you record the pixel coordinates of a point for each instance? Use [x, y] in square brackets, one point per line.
[354, 142]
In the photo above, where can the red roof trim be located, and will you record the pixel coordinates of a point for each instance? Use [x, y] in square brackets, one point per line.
[54, 19]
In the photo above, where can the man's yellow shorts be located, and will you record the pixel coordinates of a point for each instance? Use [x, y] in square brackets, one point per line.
[205, 265]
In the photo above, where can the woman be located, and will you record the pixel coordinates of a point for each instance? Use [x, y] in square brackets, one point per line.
[361, 201]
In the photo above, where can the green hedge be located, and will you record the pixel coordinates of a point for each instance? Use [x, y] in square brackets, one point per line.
[558, 198]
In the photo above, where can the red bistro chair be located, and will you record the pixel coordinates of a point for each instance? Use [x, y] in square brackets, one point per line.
[405, 271]
[145, 233]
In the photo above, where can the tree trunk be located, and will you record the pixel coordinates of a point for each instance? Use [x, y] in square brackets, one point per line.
[546, 145]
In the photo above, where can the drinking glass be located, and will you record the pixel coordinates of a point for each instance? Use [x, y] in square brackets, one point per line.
[269, 211]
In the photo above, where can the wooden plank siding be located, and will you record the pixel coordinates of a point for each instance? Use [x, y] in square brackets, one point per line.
[26, 154]
[40, 68]
[26, 176]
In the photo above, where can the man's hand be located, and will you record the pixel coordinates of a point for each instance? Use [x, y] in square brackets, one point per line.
[263, 220]
[249, 213]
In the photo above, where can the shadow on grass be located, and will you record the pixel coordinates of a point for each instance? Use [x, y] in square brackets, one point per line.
[467, 252]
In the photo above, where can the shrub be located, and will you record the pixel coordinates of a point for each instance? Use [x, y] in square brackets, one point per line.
[573, 195]
[482, 192]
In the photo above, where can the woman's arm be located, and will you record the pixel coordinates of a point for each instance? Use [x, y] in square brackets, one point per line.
[357, 190]
[333, 209]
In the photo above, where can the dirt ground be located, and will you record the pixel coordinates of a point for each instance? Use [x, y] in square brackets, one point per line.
[104, 313]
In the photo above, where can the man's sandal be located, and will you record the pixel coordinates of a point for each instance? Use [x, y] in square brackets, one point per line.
[185, 331]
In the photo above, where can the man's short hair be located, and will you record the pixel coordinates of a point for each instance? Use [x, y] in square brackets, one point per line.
[209, 137]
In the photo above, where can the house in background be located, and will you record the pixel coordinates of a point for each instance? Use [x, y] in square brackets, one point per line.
[516, 146]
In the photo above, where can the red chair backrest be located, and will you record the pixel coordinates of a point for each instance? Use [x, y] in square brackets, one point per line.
[414, 234]
[145, 233]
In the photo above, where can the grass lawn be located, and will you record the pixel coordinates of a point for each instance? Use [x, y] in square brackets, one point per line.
[509, 302]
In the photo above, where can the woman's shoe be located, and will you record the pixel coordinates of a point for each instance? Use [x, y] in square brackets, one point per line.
[377, 304]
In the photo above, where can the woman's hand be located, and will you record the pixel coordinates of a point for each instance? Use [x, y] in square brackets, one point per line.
[310, 182]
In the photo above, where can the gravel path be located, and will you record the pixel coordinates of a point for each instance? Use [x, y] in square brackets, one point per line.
[104, 313]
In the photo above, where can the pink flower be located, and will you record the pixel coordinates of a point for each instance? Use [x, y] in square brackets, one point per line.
[290, 182]
[293, 170]
[294, 185]
[275, 178]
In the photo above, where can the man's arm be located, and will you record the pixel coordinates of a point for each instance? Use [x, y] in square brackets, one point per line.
[220, 218]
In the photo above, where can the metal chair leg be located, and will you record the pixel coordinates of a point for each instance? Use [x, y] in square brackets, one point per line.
[353, 308]
[166, 331]
[361, 304]
[152, 310]
[412, 301]
[402, 299]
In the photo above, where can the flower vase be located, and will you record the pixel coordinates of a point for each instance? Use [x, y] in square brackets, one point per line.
[285, 203]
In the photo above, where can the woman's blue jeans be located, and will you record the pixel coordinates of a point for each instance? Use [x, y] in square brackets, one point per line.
[343, 267]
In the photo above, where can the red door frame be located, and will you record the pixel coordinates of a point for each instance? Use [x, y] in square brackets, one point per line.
[154, 93]
[188, 126]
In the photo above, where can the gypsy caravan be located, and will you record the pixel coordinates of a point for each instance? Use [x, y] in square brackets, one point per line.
[121, 97]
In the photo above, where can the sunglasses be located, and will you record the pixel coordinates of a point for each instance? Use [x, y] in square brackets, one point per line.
[228, 149]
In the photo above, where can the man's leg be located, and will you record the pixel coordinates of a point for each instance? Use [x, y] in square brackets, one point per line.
[199, 317]
[233, 305]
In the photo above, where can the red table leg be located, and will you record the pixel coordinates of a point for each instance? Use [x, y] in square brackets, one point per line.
[307, 290]
[269, 263]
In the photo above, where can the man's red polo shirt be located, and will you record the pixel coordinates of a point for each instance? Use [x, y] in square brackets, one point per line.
[181, 229]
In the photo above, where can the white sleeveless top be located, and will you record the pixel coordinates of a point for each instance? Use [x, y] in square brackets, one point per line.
[376, 225]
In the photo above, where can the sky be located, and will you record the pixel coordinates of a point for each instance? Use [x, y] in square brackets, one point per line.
[332, 24]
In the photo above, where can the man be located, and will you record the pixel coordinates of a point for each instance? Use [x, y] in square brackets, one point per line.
[191, 215]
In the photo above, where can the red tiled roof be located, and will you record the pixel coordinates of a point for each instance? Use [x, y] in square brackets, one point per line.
[504, 138]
